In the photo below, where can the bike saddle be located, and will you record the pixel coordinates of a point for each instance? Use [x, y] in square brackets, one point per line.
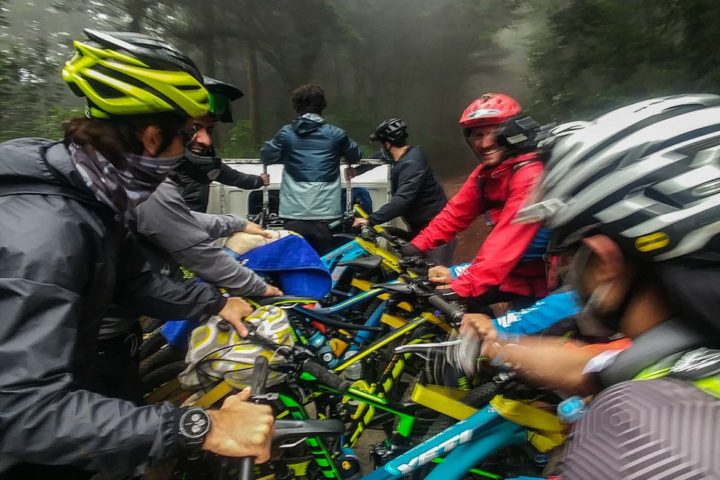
[365, 263]
[289, 429]
[344, 236]
[401, 288]
[282, 299]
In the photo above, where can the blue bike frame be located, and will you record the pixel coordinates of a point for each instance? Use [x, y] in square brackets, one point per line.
[463, 445]
[349, 251]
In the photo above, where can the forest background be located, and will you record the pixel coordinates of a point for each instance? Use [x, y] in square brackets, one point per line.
[421, 60]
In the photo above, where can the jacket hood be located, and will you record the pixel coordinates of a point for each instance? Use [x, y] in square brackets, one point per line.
[39, 161]
[308, 123]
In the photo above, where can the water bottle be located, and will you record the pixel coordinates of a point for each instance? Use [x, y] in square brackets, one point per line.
[571, 409]
[354, 371]
[348, 463]
[320, 344]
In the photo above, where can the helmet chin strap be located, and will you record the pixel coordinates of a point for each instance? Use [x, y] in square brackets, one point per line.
[592, 320]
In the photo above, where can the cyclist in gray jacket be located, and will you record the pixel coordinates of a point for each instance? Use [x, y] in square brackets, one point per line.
[171, 235]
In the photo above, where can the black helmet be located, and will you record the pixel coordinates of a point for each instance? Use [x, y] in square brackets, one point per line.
[221, 94]
[393, 130]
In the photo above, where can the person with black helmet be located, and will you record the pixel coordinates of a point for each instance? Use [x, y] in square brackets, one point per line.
[200, 165]
[634, 195]
[417, 196]
[67, 255]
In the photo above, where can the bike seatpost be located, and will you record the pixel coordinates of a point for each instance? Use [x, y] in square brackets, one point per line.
[265, 201]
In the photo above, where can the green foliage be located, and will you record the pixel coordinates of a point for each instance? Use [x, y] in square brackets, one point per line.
[46, 125]
[597, 54]
[30, 92]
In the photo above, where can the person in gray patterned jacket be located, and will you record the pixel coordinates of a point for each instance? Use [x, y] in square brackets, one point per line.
[66, 255]
[311, 150]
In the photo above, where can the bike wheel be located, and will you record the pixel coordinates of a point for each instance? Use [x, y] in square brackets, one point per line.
[152, 344]
[162, 357]
[150, 324]
[160, 376]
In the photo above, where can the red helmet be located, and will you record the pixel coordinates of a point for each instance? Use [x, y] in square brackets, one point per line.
[489, 109]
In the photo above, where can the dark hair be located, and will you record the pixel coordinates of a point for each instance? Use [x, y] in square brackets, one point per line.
[115, 137]
[309, 99]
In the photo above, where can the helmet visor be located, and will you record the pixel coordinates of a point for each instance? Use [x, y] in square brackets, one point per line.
[219, 107]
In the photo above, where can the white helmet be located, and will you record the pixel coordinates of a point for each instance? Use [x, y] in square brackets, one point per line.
[647, 175]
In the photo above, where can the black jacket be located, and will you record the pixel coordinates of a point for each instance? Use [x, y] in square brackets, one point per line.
[196, 193]
[64, 258]
[416, 194]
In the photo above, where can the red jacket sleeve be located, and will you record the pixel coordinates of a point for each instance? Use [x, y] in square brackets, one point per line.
[507, 242]
[457, 215]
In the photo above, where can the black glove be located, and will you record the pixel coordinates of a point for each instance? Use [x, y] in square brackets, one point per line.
[410, 250]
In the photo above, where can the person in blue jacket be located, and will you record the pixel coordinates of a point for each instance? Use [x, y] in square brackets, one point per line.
[311, 150]
[540, 316]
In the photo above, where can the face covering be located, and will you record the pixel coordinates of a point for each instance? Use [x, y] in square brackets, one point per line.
[121, 189]
[201, 168]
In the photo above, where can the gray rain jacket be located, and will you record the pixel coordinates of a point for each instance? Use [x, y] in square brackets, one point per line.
[64, 257]
[171, 235]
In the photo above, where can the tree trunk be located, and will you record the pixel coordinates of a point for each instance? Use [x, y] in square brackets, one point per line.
[207, 41]
[136, 10]
[253, 87]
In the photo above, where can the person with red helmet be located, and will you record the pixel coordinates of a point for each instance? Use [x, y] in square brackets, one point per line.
[502, 270]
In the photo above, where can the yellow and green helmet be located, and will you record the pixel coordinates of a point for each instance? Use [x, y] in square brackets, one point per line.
[123, 73]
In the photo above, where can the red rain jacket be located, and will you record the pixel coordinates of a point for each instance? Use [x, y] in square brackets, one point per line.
[498, 192]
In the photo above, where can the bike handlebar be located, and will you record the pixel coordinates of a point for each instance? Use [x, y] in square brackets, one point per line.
[261, 369]
[308, 364]
[452, 312]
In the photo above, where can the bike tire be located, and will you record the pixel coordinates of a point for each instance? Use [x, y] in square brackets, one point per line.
[150, 324]
[160, 376]
[152, 344]
[162, 357]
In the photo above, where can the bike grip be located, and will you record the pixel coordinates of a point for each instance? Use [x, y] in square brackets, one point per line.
[260, 375]
[325, 376]
[245, 470]
[446, 307]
